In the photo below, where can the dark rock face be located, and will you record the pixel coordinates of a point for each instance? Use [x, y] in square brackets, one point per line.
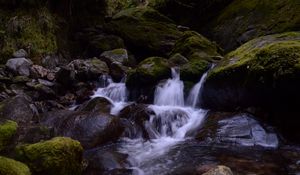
[237, 129]
[18, 109]
[90, 128]
[145, 31]
[240, 22]
[105, 161]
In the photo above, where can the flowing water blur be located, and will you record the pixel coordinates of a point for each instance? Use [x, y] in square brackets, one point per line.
[170, 124]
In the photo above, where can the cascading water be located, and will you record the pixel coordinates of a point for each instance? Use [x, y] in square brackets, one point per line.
[195, 92]
[116, 93]
[169, 126]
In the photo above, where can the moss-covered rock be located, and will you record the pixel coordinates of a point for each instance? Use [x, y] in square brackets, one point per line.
[12, 167]
[58, 156]
[242, 21]
[7, 130]
[143, 79]
[145, 31]
[149, 72]
[262, 72]
[33, 31]
[200, 52]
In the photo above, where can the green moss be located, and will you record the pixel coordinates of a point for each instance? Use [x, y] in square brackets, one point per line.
[12, 167]
[33, 31]
[269, 59]
[7, 130]
[149, 71]
[58, 156]
[242, 21]
[144, 29]
[192, 43]
[193, 70]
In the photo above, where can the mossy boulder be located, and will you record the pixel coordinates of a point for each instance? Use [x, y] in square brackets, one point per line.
[265, 68]
[199, 51]
[33, 31]
[263, 73]
[58, 156]
[242, 21]
[145, 31]
[8, 129]
[143, 79]
[11, 167]
[149, 72]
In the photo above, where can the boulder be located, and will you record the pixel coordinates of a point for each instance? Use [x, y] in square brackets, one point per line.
[20, 54]
[145, 31]
[241, 130]
[219, 170]
[18, 108]
[58, 156]
[116, 55]
[90, 128]
[20, 66]
[99, 104]
[263, 72]
[7, 130]
[143, 79]
[11, 167]
[240, 22]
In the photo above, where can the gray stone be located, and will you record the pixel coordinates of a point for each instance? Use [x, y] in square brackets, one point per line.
[116, 55]
[19, 66]
[20, 54]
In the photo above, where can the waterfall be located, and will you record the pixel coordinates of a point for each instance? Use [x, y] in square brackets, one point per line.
[116, 93]
[170, 93]
[169, 126]
[195, 93]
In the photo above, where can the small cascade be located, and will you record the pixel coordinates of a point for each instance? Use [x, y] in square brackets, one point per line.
[170, 93]
[115, 92]
[171, 123]
[195, 93]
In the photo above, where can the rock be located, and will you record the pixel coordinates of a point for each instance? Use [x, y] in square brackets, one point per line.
[240, 22]
[118, 71]
[192, 45]
[239, 130]
[37, 71]
[17, 108]
[145, 31]
[137, 115]
[59, 156]
[65, 76]
[199, 51]
[11, 167]
[90, 128]
[262, 73]
[50, 62]
[178, 60]
[83, 70]
[7, 130]
[20, 66]
[103, 42]
[100, 161]
[193, 13]
[20, 79]
[20, 54]
[99, 104]
[219, 170]
[117, 55]
[45, 82]
[143, 79]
